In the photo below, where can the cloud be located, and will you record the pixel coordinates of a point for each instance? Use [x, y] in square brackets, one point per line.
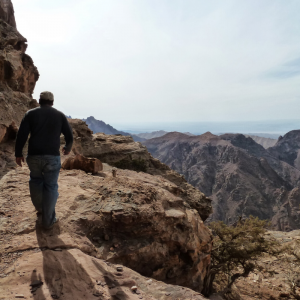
[287, 70]
[173, 60]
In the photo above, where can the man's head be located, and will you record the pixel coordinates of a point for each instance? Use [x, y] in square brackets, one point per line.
[46, 98]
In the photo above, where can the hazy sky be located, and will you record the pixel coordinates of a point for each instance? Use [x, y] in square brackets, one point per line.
[126, 61]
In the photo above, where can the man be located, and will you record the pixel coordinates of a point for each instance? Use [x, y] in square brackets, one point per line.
[45, 125]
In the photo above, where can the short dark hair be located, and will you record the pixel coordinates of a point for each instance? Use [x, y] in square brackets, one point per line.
[45, 102]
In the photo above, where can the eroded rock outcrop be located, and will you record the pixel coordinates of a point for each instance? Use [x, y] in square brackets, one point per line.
[136, 220]
[122, 152]
[18, 76]
[7, 13]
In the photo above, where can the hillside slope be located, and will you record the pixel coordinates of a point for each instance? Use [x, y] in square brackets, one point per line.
[239, 175]
[100, 126]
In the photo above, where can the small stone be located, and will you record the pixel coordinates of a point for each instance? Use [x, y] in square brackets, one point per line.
[116, 245]
[97, 293]
[106, 237]
[134, 288]
[111, 249]
[19, 296]
[149, 281]
[120, 269]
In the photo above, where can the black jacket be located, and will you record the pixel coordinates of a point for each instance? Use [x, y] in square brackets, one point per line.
[45, 125]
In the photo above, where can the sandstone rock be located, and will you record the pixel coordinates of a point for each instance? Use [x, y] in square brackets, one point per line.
[7, 12]
[3, 130]
[18, 76]
[131, 209]
[71, 274]
[79, 162]
[122, 152]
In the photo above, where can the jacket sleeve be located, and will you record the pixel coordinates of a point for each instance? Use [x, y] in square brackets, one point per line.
[22, 136]
[68, 134]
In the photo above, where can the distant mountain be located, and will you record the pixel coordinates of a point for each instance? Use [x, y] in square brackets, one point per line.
[100, 126]
[287, 148]
[239, 175]
[155, 134]
[151, 135]
[265, 142]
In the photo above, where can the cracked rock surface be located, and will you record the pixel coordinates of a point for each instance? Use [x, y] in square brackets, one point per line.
[133, 220]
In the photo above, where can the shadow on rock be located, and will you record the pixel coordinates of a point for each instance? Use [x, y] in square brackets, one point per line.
[64, 274]
[111, 282]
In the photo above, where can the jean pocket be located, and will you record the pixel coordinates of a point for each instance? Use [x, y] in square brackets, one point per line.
[53, 164]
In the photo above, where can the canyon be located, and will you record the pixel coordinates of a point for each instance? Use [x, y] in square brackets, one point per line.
[240, 176]
[133, 225]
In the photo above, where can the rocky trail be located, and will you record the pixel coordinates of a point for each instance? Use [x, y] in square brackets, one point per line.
[104, 221]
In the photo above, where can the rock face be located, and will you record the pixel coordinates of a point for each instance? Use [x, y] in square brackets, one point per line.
[18, 76]
[100, 126]
[288, 148]
[239, 175]
[137, 220]
[151, 135]
[7, 12]
[265, 142]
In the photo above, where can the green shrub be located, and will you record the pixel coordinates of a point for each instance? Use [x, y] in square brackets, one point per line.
[236, 250]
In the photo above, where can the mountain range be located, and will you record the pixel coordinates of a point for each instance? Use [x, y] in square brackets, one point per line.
[240, 176]
[100, 126]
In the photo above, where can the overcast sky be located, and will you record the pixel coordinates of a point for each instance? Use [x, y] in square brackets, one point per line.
[126, 61]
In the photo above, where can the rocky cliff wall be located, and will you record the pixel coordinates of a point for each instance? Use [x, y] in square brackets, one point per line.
[7, 12]
[18, 77]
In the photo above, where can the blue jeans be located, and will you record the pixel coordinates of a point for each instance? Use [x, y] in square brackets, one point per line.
[44, 172]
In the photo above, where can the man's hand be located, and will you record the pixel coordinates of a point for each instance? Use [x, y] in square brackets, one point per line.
[19, 160]
[65, 152]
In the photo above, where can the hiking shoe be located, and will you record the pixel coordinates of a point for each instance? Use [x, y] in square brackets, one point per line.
[56, 219]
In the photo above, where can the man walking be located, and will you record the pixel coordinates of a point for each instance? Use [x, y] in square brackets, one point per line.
[45, 125]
